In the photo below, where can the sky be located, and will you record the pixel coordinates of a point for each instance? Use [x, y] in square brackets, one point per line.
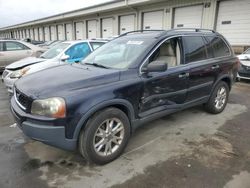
[18, 11]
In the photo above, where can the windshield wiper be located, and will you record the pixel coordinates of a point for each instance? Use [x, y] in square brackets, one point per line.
[97, 65]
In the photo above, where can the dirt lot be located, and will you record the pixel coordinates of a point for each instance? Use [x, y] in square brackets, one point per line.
[187, 149]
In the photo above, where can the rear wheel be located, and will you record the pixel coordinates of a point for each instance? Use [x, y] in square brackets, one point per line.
[105, 136]
[218, 99]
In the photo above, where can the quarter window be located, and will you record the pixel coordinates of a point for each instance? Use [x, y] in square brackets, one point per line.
[12, 46]
[195, 49]
[218, 46]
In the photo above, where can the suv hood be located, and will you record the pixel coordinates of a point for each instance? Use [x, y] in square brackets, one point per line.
[24, 62]
[56, 81]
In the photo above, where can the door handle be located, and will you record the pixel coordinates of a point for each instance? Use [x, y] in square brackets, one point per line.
[215, 67]
[184, 75]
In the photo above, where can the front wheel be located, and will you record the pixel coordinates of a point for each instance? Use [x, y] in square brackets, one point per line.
[218, 99]
[105, 136]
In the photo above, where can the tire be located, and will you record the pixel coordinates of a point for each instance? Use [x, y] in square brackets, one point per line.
[96, 132]
[214, 104]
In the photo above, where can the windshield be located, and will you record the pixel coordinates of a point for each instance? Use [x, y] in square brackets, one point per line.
[54, 51]
[119, 53]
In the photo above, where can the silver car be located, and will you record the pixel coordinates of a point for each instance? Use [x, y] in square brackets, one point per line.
[14, 50]
[64, 52]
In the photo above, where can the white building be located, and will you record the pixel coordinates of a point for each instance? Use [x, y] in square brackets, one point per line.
[229, 17]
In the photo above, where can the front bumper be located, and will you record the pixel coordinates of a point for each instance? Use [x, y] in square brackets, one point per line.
[42, 130]
[9, 83]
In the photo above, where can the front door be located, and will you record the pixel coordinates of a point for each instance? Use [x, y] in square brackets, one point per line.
[167, 90]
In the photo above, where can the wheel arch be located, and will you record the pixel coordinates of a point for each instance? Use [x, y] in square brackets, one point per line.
[224, 78]
[121, 104]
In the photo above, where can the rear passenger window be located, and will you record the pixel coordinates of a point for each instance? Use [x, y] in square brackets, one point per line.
[12, 46]
[195, 49]
[217, 46]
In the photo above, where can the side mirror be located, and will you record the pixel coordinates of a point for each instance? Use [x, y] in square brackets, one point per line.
[64, 57]
[155, 66]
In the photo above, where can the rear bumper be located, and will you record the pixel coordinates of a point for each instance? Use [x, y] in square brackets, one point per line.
[42, 130]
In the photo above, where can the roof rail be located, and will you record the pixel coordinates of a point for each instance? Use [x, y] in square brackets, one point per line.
[193, 29]
[138, 31]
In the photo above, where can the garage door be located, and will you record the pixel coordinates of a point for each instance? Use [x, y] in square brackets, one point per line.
[19, 34]
[53, 32]
[32, 34]
[107, 27]
[127, 23]
[69, 33]
[189, 17]
[36, 34]
[92, 29]
[23, 34]
[153, 20]
[79, 30]
[233, 21]
[27, 33]
[60, 33]
[40, 29]
[46, 34]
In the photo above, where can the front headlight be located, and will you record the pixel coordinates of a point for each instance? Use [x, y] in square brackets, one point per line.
[52, 107]
[19, 73]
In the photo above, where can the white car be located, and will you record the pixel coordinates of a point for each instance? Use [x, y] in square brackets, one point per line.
[244, 69]
[13, 50]
[64, 52]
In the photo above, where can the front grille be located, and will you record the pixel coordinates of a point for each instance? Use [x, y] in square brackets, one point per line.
[246, 68]
[244, 74]
[22, 100]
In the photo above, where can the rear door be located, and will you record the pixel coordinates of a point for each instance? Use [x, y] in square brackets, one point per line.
[203, 68]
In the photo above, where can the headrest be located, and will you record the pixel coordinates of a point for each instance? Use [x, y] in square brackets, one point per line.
[166, 50]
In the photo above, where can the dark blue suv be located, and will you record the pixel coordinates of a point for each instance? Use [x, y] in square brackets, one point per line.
[95, 105]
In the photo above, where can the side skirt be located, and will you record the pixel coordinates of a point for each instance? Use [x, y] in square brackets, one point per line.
[153, 116]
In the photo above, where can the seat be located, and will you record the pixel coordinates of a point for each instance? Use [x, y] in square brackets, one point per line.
[167, 55]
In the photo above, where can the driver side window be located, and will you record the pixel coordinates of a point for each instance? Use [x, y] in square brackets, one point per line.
[169, 52]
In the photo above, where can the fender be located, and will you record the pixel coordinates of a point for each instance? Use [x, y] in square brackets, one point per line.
[221, 78]
[100, 106]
